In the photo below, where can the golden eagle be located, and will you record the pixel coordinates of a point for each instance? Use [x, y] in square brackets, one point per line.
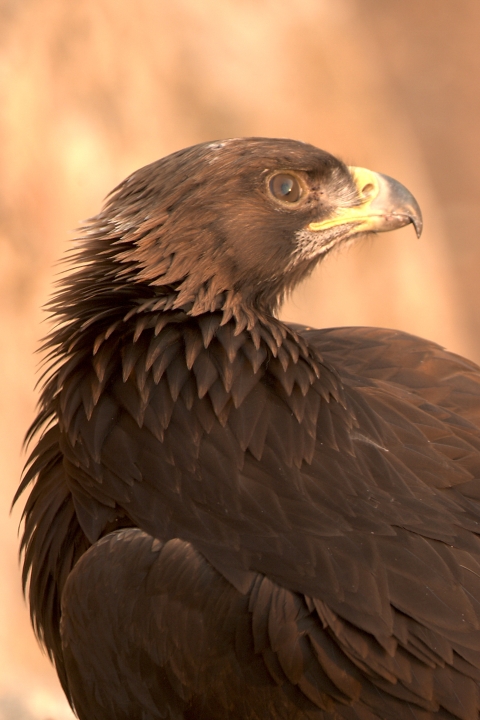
[230, 517]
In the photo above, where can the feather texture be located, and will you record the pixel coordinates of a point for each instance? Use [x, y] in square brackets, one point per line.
[233, 517]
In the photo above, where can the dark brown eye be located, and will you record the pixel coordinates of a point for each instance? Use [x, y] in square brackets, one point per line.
[285, 187]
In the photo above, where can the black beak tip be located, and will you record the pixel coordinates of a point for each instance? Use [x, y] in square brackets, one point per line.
[417, 222]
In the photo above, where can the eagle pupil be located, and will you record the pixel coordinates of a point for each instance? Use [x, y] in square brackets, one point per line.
[285, 187]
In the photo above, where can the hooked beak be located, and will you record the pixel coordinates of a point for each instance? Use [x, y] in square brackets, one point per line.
[384, 204]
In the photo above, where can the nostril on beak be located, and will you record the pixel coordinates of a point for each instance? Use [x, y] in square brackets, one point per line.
[367, 190]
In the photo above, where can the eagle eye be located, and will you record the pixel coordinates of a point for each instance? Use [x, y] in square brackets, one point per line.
[285, 187]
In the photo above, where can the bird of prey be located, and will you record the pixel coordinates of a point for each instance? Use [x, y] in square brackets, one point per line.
[233, 518]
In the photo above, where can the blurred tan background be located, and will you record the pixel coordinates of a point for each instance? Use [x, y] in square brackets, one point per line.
[92, 89]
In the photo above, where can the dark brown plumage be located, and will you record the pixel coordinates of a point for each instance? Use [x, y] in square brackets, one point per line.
[231, 517]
